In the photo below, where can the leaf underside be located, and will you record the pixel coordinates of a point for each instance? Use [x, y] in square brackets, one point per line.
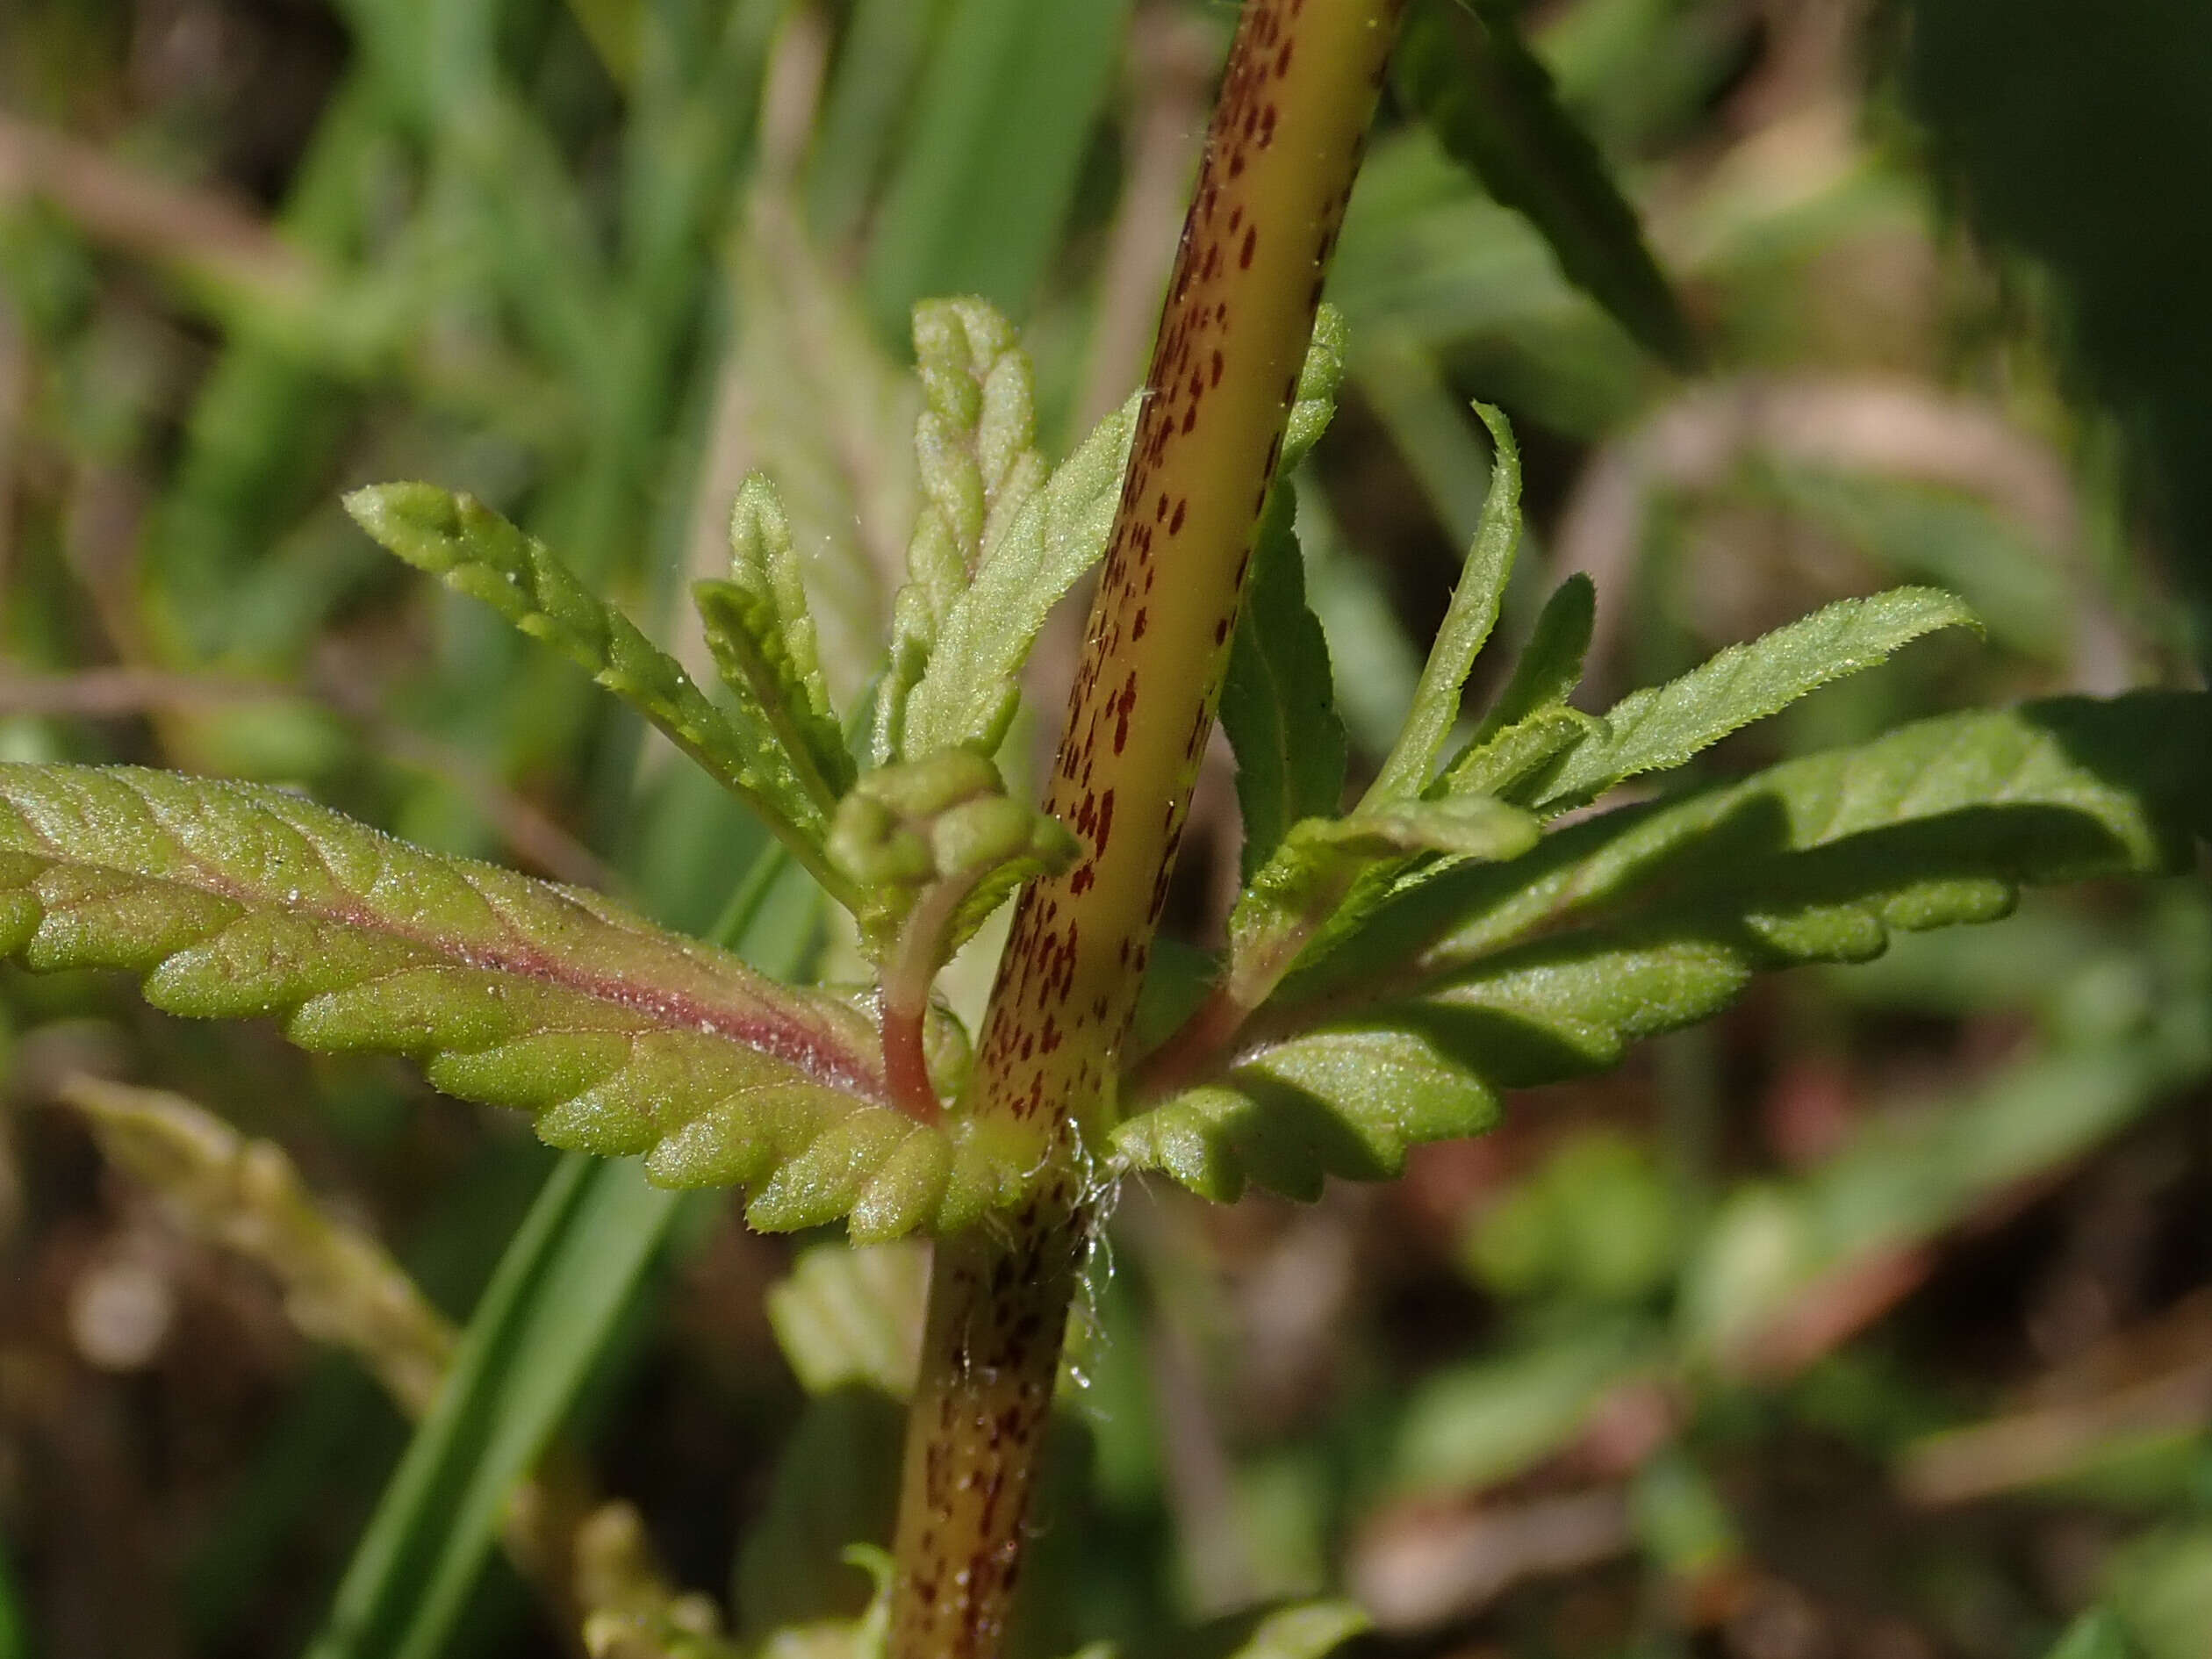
[233, 900]
[1488, 977]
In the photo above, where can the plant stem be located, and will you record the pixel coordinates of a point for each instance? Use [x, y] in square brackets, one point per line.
[1281, 154]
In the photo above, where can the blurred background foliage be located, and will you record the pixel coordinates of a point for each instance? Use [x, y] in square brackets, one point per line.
[1872, 1322]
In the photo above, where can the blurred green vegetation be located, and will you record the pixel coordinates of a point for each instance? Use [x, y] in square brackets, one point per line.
[1872, 1321]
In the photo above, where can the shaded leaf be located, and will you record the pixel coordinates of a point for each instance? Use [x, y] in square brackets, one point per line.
[2054, 790]
[1493, 108]
[1663, 727]
[1551, 664]
[1344, 1102]
[237, 901]
[1278, 705]
[1491, 976]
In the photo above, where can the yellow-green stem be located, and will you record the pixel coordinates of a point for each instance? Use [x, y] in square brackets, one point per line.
[1281, 156]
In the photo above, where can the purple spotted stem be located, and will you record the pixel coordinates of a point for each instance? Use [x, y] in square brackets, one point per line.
[1284, 145]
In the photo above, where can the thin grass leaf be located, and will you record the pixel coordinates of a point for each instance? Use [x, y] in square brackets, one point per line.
[1467, 625]
[877, 60]
[15, 1626]
[477, 552]
[2097, 1633]
[1660, 728]
[988, 164]
[1402, 383]
[540, 1323]
[1493, 107]
[235, 901]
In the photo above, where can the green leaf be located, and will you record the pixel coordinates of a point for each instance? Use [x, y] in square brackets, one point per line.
[1467, 625]
[966, 695]
[763, 638]
[937, 844]
[848, 1314]
[1515, 765]
[1817, 858]
[1663, 727]
[1470, 1426]
[1308, 1631]
[1493, 108]
[477, 552]
[1465, 826]
[1278, 705]
[15, 1627]
[1506, 975]
[1551, 665]
[237, 901]
[2097, 1634]
[1345, 1103]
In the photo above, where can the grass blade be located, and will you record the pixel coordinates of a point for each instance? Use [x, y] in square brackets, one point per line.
[1006, 104]
[563, 1283]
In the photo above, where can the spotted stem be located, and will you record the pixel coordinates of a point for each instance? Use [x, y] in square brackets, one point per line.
[1281, 156]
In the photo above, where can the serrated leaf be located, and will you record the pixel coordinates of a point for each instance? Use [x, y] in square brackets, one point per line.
[1345, 1101]
[762, 635]
[1467, 625]
[966, 694]
[1493, 106]
[1663, 727]
[1551, 665]
[1278, 704]
[1643, 920]
[1516, 764]
[474, 551]
[1464, 826]
[239, 902]
[975, 457]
